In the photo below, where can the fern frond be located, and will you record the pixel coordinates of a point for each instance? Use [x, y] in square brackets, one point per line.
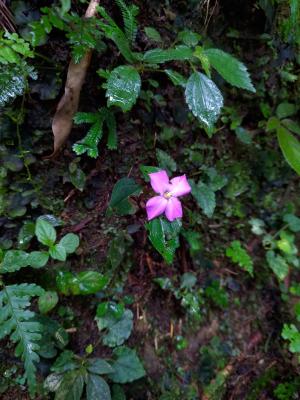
[17, 322]
[130, 24]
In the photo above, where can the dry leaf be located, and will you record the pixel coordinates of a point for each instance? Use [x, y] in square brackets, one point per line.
[67, 107]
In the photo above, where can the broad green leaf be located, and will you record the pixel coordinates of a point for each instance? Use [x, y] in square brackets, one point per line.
[58, 252]
[188, 37]
[14, 260]
[66, 361]
[158, 56]
[285, 110]
[71, 386]
[123, 87]
[99, 366]
[290, 332]
[70, 242]
[153, 34]
[118, 329]
[47, 301]
[232, 70]
[45, 232]
[88, 282]
[205, 197]
[277, 264]
[240, 256]
[38, 259]
[291, 125]
[146, 170]
[97, 388]
[126, 365]
[123, 189]
[53, 381]
[203, 98]
[176, 78]
[293, 222]
[25, 235]
[290, 147]
[164, 236]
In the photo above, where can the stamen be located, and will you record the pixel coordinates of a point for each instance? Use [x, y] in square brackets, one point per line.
[167, 195]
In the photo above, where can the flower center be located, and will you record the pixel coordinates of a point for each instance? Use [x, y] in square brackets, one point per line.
[167, 195]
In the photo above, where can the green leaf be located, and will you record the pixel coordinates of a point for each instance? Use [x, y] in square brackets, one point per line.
[164, 236]
[122, 190]
[290, 147]
[52, 382]
[58, 252]
[123, 87]
[285, 110]
[203, 98]
[129, 13]
[291, 333]
[99, 366]
[85, 282]
[146, 170]
[158, 56]
[16, 321]
[65, 362]
[71, 386]
[47, 301]
[240, 256]
[277, 264]
[293, 221]
[119, 329]
[232, 70]
[176, 78]
[38, 259]
[152, 34]
[127, 366]
[189, 38]
[291, 125]
[45, 232]
[165, 161]
[112, 139]
[97, 388]
[70, 242]
[14, 260]
[205, 197]
[25, 235]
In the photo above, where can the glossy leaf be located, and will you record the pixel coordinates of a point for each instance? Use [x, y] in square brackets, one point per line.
[123, 87]
[232, 70]
[14, 260]
[123, 189]
[38, 259]
[70, 242]
[158, 56]
[45, 232]
[176, 78]
[290, 147]
[47, 301]
[99, 366]
[205, 197]
[97, 388]
[164, 236]
[118, 329]
[152, 34]
[58, 252]
[203, 98]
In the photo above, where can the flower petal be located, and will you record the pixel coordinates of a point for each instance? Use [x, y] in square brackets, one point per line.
[179, 186]
[159, 181]
[156, 206]
[173, 209]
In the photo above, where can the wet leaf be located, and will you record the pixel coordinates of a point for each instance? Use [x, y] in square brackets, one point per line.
[47, 301]
[205, 197]
[203, 98]
[158, 56]
[118, 329]
[123, 87]
[290, 147]
[97, 388]
[127, 366]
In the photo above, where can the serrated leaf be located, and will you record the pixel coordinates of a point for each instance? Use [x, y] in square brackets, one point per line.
[188, 37]
[99, 366]
[14, 260]
[164, 236]
[278, 265]
[127, 366]
[240, 256]
[129, 13]
[203, 98]
[205, 197]
[13, 83]
[71, 387]
[290, 147]
[112, 139]
[58, 252]
[232, 70]
[165, 161]
[123, 87]
[158, 56]
[97, 388]
[17, 322]
[38, 259]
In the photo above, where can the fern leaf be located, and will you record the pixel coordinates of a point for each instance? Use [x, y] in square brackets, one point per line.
[129, 13]
[17, 322]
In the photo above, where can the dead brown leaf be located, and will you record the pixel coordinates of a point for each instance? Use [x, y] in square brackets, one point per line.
[67, 107]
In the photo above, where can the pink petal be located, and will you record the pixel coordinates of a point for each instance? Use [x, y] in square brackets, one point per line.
[156, 206]
[179, 186]
[159, 181]
[173, 209]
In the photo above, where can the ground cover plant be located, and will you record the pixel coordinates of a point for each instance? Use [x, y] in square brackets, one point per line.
[149, 199]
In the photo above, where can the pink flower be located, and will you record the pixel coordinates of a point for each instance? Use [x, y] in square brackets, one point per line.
[167, 202]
